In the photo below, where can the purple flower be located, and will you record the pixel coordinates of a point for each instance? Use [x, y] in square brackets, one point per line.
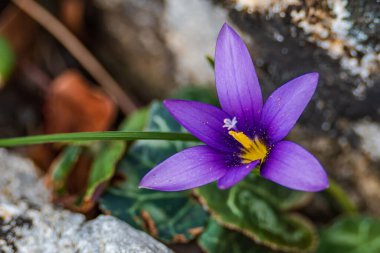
[244, 134]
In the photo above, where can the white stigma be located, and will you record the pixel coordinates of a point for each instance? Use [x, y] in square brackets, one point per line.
[230, 124]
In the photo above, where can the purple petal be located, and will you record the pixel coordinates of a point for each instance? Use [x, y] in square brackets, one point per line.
[187, 169]
[203, 121]
[235, 174]
[294, 167]
[235, 78]
[286, 104]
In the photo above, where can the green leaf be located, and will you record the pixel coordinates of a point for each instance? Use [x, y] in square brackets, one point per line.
[136, 121]
[7, 60]
[338, 196]
[103, 166]
[277, 195]
[247, 209]
[169, 216]
[105, 157]
[218, 239]
[355, 234]
[64, 165]
[210, 61]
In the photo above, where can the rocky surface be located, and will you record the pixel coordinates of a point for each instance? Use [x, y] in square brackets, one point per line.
[30, 224]
[370, 135]
[159, 45]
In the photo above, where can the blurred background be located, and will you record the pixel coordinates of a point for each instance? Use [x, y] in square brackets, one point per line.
[85, 65]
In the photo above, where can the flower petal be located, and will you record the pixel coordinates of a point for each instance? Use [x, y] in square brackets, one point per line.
[294, 167]
[286, 104]
[187, 169]
[235, 78]
[235, 174]
[203, 121]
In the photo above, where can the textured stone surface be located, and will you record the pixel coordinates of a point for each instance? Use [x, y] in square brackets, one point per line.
[19, 181]
[131, 42]
[191, 39]
[113, 235]
[370, 135]
[159, 44]
[30, 224]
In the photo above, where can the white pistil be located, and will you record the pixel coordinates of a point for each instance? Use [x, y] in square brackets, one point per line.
[230, 124]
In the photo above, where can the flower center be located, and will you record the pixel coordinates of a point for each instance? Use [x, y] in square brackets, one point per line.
[252, 150]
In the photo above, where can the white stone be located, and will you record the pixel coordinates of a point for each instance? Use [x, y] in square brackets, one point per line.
[31, 224]
[191, 32]
[370, 138]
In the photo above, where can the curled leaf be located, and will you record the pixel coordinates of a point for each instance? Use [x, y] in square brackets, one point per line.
[246, 209]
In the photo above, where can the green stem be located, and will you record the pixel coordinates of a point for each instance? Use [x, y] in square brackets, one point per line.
[94, 136]
[336, 192]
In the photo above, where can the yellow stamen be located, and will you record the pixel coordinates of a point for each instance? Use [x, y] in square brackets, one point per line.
[252, 149]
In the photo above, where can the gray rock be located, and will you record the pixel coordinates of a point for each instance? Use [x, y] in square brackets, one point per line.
[113, 235]
[158, 45]
[30, 224]
[132, 45]
[202, 30]
[370, 138]
[19, 181]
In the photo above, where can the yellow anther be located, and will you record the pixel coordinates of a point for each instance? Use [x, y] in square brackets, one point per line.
[252, 149]
[243, 139]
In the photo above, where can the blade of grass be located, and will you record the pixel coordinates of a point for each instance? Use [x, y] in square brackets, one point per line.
[95, 136]
[341, 197]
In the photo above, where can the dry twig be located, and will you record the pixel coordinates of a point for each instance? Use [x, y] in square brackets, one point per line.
[79, 51]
